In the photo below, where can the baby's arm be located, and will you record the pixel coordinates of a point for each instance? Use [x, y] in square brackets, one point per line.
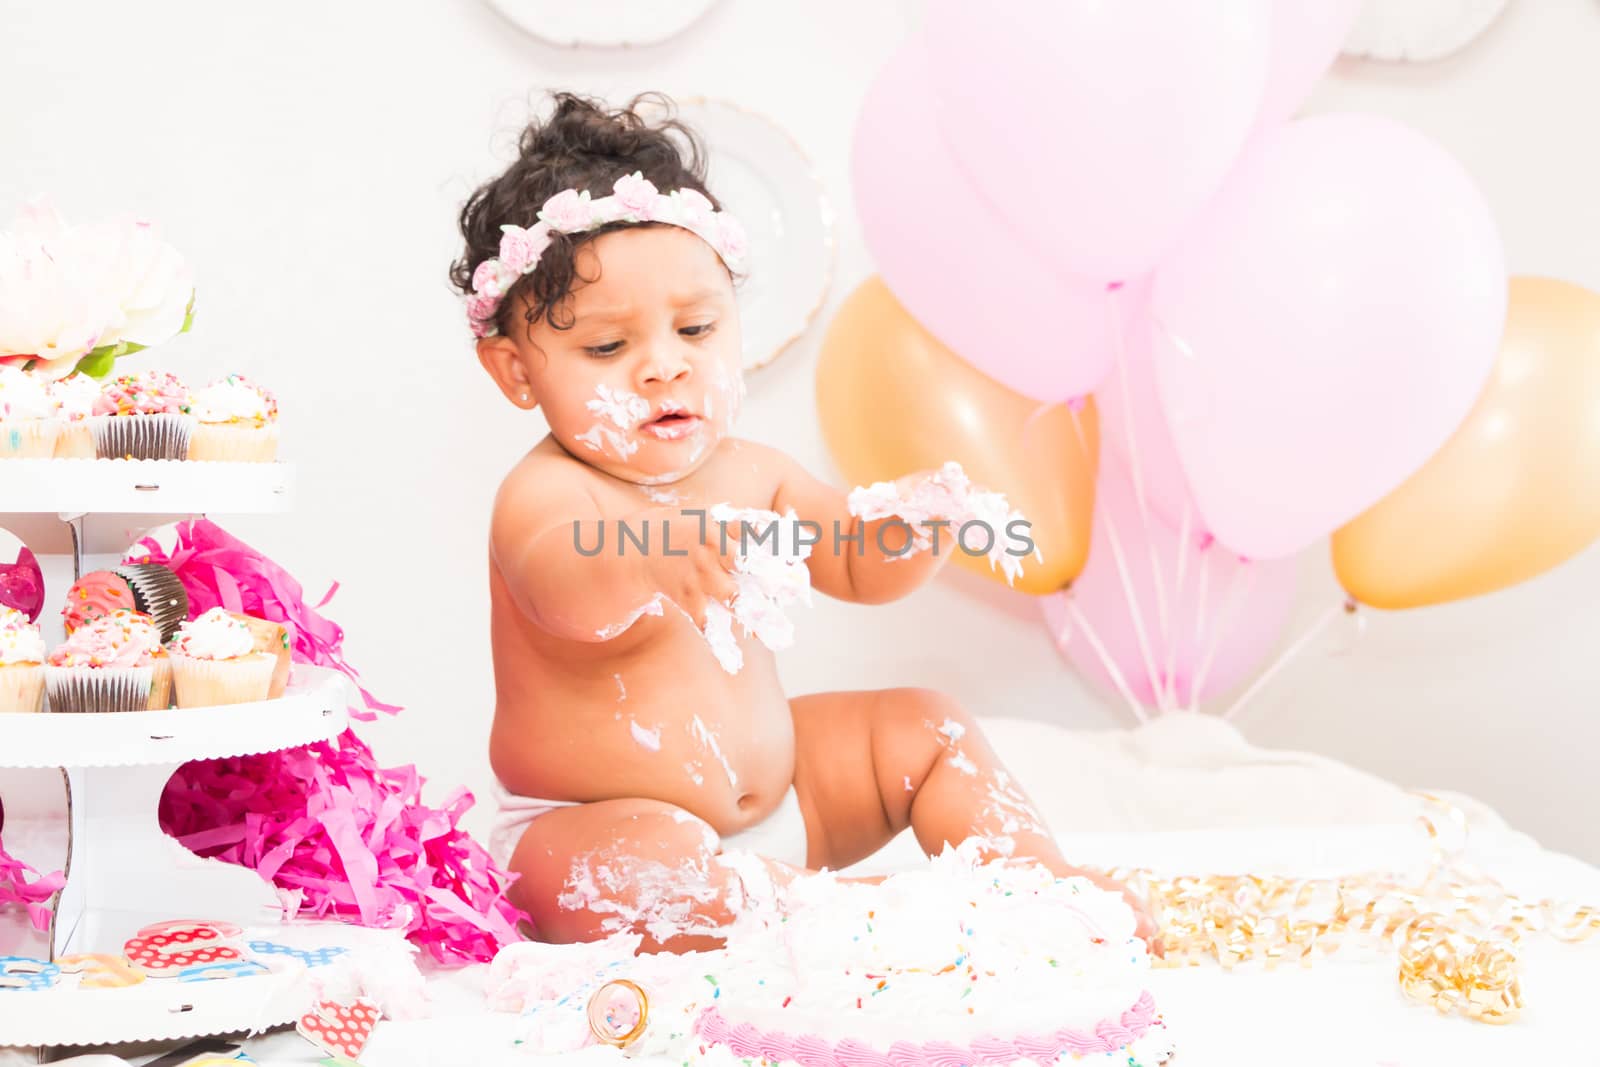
[866, 562]
[596, 596]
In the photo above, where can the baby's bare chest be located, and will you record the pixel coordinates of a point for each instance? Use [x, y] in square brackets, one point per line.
[740, 477]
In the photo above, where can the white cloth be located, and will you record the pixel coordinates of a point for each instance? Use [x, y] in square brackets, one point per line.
[780, 836]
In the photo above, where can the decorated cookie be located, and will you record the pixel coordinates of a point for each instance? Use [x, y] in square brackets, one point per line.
[211, 972]
[340, 1029]
[167, 949]
[319, 957]
[101, 971]
[27, 974]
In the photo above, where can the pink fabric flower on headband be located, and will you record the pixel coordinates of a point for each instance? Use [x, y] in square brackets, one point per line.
[634, 198]
[569, 211]
[519, 250]
[636, 194]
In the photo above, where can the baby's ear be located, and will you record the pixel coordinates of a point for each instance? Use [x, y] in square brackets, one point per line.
[501, 359]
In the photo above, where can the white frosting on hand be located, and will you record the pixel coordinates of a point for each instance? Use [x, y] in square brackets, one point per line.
[948, 496]
[214, 635]
[771, 577]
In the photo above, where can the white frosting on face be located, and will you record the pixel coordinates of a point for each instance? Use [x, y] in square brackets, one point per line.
[945, 495]
[23, 396]
[20, 641]
[771, 577]
[214, 635]
[620, 412]
[74, 396]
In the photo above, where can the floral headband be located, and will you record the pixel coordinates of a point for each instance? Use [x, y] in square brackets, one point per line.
[634, 198]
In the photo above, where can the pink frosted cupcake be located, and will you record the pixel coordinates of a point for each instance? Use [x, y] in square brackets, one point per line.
[143, 416]
[103, 667]
[28, 426]
[236, 421]
[74, 398]
[214, 661]
[21, 663]
[141, 630]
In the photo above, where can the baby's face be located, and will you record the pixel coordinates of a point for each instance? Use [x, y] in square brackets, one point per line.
[647, 380]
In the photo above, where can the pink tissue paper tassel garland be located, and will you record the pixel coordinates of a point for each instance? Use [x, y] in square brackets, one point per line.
[21, 884]
[337, 834]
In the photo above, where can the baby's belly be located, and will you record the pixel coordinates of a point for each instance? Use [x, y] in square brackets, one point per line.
[654, 725]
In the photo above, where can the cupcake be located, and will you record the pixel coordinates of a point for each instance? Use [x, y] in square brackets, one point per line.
[103, 667]
[140, 629]
[214, 661]
[273, 639]
[28, 426]
[21, 663]
[142, 416]
[235, 420]
[149, 588]
[74, 398]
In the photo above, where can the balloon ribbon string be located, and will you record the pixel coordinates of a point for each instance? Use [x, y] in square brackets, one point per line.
[1161, 685]
[1121, 558]
[1081, 623]
[1287, 657]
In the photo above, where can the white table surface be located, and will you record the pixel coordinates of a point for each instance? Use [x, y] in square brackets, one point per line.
[1189, 795]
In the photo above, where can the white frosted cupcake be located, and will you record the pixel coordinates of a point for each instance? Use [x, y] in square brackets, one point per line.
[235, 421]
[21, 663]
[214, 661]
[28, 426]
[74, 398]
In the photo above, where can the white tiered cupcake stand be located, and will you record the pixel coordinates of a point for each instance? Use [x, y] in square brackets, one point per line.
[122, 872]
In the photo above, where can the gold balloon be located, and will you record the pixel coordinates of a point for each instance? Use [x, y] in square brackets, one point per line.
[1516, 490]
[893, 400]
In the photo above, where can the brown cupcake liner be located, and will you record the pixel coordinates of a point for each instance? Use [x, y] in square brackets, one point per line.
[96, 690]
[142, 436]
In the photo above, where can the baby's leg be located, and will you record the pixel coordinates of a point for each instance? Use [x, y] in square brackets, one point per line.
[870, 764]
[640, 866]
[873, 763]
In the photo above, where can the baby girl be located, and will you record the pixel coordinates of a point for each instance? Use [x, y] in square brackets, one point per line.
[656, 781]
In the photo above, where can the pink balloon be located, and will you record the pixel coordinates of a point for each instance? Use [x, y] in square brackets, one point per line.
[1306, 36]
[1326, 326]
[1225, 611]
[954, 264]
[1098, 128]
[1134, 426]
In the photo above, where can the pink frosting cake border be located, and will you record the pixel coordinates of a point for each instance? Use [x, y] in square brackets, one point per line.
[810, 1050]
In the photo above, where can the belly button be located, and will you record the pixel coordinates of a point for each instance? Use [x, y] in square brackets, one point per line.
[747, 802]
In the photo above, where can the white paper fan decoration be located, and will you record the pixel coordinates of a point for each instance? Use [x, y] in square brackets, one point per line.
[1419, 30]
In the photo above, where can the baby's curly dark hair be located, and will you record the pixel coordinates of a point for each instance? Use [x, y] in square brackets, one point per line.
[583, 144]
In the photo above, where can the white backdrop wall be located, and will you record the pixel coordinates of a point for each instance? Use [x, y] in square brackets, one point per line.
[309, 158]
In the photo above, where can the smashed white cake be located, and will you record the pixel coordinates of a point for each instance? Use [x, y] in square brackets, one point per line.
[958, 963]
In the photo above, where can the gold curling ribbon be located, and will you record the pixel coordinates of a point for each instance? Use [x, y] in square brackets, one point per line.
[1455, 930]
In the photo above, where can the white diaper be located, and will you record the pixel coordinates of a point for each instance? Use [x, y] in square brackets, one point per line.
[780, 836]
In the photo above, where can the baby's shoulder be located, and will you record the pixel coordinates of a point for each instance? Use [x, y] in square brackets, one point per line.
[545, 486]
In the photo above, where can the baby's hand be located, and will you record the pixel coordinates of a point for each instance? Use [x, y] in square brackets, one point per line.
[1145, 928]
[697, 572]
